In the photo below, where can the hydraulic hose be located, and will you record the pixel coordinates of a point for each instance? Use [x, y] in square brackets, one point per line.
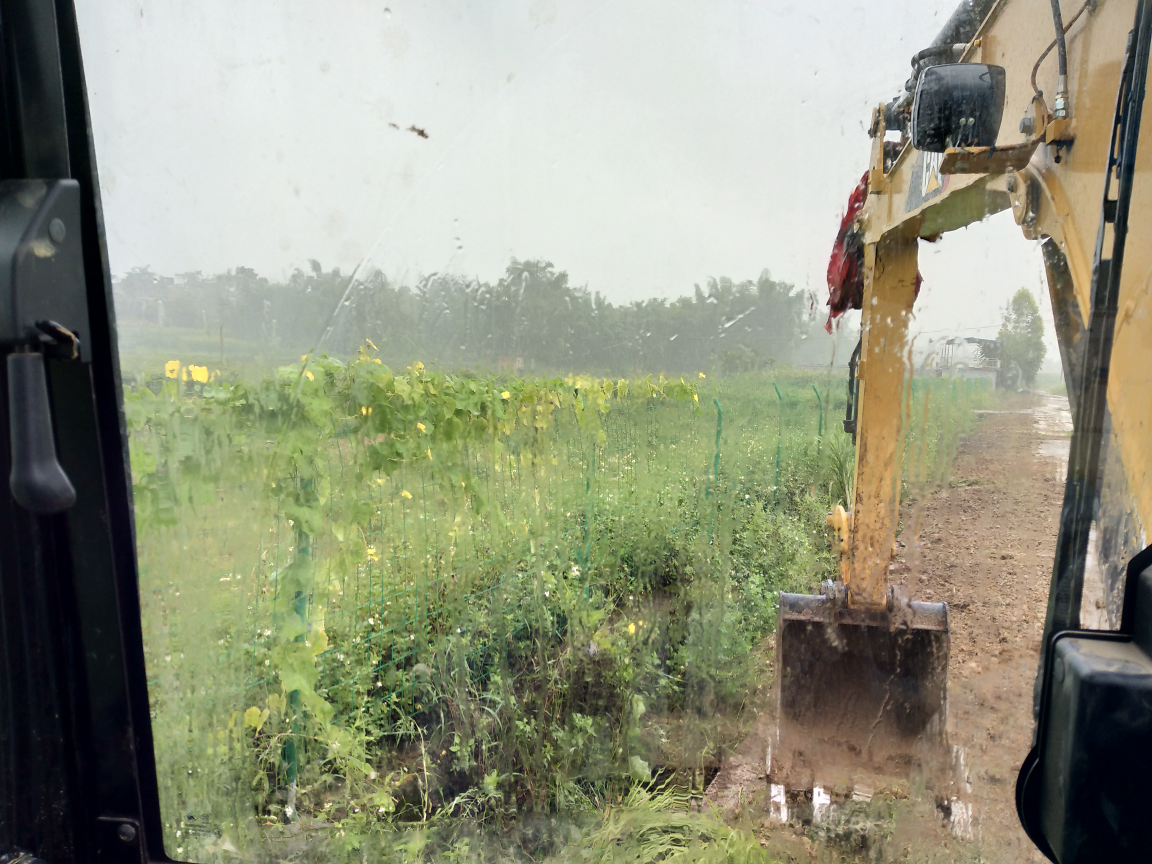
[947, 47]
[1060, 104]
[939, 54]
[1059, 42]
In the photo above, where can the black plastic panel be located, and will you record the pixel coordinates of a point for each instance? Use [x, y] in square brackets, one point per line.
[957, 105]
[1098, 745]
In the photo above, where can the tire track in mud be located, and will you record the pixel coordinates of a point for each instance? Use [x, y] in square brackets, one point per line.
[984, 544]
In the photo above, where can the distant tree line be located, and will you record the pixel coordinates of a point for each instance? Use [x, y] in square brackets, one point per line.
[532, 318]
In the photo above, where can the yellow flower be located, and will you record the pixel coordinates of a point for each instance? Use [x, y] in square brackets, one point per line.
[632, 629]
[701, 374]
[420, 426]
[171, 368]
[377, 360]
[406, 494]
[373, 344]
[308, 372]
[372, 554]
[199, 374]
[364, 410]
[429, 454]
[505, 395]
[303, 358]
[696, 396]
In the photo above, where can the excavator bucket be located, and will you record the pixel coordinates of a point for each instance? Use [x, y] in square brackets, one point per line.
[862, 675]
[861, 693]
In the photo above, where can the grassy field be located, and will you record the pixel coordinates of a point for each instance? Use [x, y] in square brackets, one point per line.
[423, 616]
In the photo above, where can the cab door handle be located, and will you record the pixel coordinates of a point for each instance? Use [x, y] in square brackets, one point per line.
[37, 481]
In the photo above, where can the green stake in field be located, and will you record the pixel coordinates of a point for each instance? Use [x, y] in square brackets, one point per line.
[820, 424]
[779, 438]
[300, 609]
[715, 463]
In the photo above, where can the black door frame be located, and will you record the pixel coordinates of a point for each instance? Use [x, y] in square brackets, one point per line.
[77, 770]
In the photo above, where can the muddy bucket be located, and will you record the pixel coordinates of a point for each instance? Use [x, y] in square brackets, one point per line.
[860, 693]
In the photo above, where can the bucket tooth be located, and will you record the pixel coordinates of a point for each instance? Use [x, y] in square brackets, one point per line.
[860, 692]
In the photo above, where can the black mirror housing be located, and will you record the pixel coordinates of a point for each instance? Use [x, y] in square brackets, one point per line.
[957, 105]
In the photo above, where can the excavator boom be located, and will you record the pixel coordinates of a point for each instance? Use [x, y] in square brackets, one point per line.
[1028, 106]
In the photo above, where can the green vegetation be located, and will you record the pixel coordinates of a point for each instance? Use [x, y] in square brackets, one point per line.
[1022, 340]
[429, 616]
[1051, 382]
[531, 320]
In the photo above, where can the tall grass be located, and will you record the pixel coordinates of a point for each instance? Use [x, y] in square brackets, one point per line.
[508, 601]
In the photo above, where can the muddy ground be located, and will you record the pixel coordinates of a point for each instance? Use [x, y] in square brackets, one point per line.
[984, 544]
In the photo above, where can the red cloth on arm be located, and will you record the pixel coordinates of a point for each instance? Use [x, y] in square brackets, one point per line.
[846, 266]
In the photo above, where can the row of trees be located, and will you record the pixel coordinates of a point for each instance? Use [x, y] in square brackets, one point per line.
[531, 318]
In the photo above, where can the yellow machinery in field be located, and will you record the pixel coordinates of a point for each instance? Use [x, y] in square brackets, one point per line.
[1025, 105]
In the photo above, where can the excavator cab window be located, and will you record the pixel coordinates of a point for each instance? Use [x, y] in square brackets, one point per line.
[426, 438]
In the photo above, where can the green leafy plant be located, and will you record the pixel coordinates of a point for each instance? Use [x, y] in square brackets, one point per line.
[440, 608]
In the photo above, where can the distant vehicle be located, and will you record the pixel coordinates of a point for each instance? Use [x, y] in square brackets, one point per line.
[964, 357]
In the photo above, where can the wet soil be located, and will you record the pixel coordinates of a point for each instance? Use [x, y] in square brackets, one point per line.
[984, 544]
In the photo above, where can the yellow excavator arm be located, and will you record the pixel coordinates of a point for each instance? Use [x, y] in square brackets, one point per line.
[1050, 171]
[1033, 106]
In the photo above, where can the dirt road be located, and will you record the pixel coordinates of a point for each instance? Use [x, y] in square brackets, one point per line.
[985, 545]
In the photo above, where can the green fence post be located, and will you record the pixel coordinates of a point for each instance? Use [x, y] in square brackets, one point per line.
[300, 608]
[584, 554]
[715, 465]
[820, 426]
[719, 430]
[779, 439]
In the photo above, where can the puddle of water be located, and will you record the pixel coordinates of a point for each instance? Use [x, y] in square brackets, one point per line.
[1053, 416]
[1054, 422]
[1054, 452]
[1054, 448]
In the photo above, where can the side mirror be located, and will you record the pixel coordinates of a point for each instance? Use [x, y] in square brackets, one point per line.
[957, 105]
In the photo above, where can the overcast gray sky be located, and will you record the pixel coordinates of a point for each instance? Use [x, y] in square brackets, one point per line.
[642, 146]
